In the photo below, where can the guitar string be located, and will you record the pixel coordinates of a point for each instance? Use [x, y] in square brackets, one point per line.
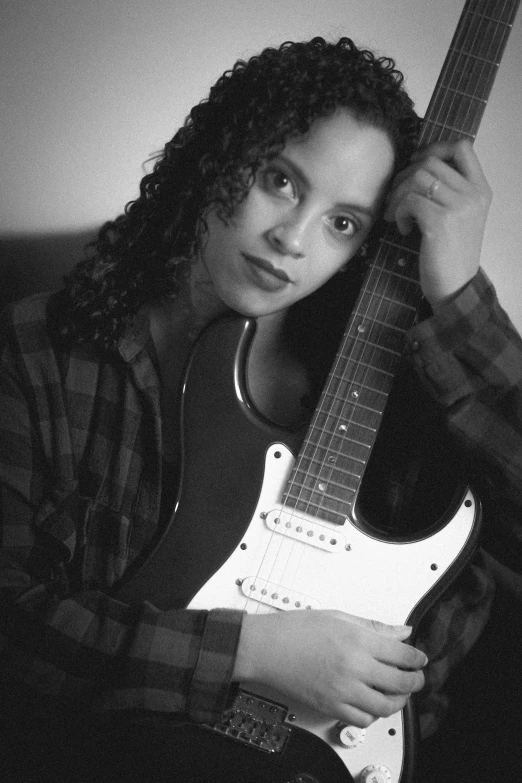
[322, 463]
[466, 47]
[503, 25]
[353, 385]
[365, 372]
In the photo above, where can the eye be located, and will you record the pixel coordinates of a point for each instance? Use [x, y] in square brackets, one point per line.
[278, 181]
[344, 225]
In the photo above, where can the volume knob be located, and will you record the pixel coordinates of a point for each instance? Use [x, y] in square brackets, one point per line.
[375, 773]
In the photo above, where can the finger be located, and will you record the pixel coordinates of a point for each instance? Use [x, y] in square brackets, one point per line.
[460, 155]
[436, 182]
[397, 631]
[353, 716]
[390, 680]
[397, 654]
[416, 208]
[375, 703]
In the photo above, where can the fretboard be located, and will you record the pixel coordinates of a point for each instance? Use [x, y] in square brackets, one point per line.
[330, 466]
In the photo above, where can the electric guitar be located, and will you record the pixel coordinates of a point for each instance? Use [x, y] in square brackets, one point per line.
[267, 519]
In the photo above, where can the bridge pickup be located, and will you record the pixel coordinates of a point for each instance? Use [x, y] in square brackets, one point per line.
[305, 529]
[275, 595]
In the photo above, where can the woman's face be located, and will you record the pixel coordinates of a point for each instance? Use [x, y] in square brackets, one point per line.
[306, 214]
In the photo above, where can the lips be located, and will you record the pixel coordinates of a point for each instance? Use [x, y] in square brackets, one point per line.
[266, 266]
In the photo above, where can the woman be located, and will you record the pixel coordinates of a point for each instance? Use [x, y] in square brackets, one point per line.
[269, 191]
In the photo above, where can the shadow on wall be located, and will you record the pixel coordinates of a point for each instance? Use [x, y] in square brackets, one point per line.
[30, 263]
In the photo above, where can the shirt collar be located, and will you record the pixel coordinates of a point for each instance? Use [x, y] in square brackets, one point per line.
[135, 336]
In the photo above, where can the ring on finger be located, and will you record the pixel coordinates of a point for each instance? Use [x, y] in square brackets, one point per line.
[432, 189]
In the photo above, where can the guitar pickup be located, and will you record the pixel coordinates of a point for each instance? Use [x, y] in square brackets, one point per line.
[276, 595]
[305, 529]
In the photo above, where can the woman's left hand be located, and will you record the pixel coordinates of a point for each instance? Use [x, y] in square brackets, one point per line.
[445, 193]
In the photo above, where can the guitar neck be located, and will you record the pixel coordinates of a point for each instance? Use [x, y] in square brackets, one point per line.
[466, 79]
[331, 464]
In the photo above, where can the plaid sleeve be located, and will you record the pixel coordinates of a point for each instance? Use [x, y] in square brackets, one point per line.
[80, 646]
[470, 355]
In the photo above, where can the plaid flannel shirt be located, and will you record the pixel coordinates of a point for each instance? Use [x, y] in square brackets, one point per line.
[80, 486]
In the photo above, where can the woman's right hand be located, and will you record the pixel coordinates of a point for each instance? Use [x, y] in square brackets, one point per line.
[348, 668]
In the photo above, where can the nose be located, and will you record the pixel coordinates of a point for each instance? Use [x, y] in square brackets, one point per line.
[287, 237]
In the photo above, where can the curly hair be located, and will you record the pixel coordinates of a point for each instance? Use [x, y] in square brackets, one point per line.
[212, 160]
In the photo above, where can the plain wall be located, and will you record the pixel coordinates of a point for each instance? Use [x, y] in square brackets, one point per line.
[91, 89]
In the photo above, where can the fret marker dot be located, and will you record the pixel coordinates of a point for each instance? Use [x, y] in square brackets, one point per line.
[322, 487]
[401, 262]
[355, 394]
[343, 428]
[361, 328]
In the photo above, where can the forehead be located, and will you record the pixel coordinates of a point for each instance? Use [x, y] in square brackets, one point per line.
[342, 153]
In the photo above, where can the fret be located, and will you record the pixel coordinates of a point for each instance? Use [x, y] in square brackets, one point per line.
[449, 132]
[336, 512]
[357, 439]
[364, 402]
[400, 262]
[305, 479]
[309, 493]
[358, 414]
[304, 482]
[461, 93]
[392, 285]
[319, 468]
[331, 454]
[364, 326]
[359, 434]
[352, 367]
[356, 394]
[463, 113]
[467, 73]
[482, 38]
[367, 402]
[382, 310]
[360, 373]
[382, 336]
[476, 58]
[496, 10]
[406, 244]
[495, 20]
[372, 355]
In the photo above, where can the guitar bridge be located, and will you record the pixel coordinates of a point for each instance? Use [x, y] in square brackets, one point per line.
[255, 721]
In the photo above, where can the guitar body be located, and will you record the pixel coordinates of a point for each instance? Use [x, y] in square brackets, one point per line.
[236, 547]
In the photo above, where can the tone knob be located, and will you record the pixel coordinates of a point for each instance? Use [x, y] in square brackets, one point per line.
[375, 773]
[350, 736]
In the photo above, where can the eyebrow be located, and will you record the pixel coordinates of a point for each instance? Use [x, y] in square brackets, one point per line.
[362, 209]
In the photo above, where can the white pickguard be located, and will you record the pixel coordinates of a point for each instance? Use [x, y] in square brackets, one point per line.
[286, 565]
